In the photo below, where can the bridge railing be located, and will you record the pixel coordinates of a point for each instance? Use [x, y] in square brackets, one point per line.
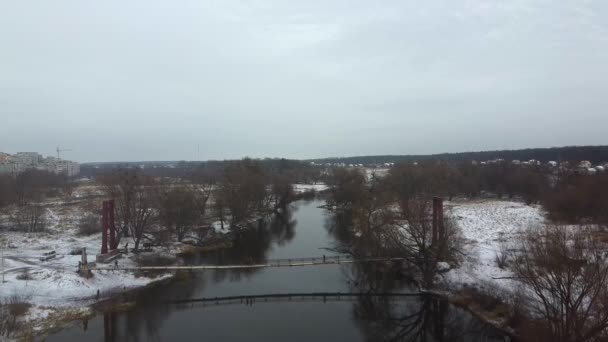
[315, 296]
[314, 260]
[285, 262]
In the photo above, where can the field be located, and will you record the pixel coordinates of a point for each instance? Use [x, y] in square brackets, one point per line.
[489, 228]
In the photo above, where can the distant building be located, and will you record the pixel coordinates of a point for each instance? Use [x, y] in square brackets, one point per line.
[27, 159]
[22, 161]
[585, 164]
[8, 168]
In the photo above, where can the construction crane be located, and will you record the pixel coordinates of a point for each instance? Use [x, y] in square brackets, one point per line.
[59, 150]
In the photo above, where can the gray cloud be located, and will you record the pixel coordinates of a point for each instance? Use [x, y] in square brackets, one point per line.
[153, 80]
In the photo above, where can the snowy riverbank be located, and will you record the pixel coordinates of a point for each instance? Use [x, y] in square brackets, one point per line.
[53, 288]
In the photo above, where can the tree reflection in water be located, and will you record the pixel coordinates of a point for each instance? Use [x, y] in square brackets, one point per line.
[423, 318]
[252, 245]
[145, 320]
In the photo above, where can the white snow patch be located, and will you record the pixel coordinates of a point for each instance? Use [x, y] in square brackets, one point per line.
[486, 225]
[300, 188]
[55, 282]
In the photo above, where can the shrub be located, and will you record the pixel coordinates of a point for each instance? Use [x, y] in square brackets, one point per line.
[568, 277]
[30, 218]
[18, 305]
[502, 258]
[25, 274]
[89, 224]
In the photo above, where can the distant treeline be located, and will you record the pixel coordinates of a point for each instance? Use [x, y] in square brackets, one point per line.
[566, 196]
[594, 154]
[294, 170]
[32, 186]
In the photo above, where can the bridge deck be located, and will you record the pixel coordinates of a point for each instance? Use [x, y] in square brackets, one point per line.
[294, 297]
[333, 260]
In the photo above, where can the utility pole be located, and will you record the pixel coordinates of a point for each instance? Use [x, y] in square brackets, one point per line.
[2, 252]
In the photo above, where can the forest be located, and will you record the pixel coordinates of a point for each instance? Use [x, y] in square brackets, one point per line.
[595, 154]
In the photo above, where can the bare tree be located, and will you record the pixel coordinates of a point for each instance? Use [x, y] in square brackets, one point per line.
[11, 310]
[390, 217]
[411, 235]
[219, 208]
[281, 193]
[203, 182]
[372, 214]
[179, 209]
[30, 218]
[8, 190]
[89, 224]
[135, 200]
[68, 188]
[242, 192]
[348, 186]
[33, 185]
[567, 272]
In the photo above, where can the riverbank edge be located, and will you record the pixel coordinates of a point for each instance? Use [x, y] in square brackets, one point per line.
[124, 301]
[66, 317]
[468, 303]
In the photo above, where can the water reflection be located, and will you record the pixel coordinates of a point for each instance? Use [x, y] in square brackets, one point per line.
[362, 319]
[252, 245]
[146, 320]
[283, 225]
[363, 243]
[425, 318]
[339, 226]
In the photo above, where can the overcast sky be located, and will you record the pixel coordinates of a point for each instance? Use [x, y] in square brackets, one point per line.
[154, 80]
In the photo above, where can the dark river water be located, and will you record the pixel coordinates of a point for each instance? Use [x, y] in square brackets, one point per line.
[304, 231]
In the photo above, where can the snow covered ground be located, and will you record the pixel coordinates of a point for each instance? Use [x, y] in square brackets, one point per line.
[375, 172]
[55, 282]
[300, 188]
[488, 226]
[53, 286]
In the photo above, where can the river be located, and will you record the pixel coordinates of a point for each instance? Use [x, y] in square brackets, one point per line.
[304, 231]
